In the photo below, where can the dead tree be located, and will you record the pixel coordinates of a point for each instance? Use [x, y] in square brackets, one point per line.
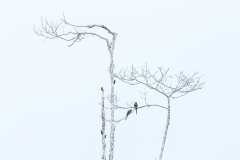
[55, 30]
[159, 82]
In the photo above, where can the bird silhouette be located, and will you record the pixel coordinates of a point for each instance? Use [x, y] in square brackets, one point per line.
[129, 112]
[136, 106]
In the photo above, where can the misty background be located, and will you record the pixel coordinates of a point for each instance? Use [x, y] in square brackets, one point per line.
[50, 93]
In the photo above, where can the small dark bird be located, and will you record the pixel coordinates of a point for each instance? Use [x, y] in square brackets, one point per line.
[101, 132]
[114, 81]
[136, 105]
[105, 136]
[129, 112]
[101, 88]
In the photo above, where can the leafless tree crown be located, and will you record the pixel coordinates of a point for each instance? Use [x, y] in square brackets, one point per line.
[61, 30]
[161, 82]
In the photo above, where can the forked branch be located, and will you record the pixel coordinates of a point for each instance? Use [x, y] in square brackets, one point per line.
[161, 82]
[69, 32]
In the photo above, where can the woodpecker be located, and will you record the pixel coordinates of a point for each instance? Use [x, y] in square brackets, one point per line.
[101, 132]
[114, 81]
[101, 88]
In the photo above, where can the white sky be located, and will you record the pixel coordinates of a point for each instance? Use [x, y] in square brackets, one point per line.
[49, 93]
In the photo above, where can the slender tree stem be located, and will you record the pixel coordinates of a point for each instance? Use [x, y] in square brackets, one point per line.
[103, 129]
[166, 130]
[111, 150]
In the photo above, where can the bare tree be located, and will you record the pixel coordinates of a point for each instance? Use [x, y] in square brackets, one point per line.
[159, 82]
[55, 30]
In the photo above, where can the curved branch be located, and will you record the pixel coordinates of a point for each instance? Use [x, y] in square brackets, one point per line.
[50, 30]
[88, 26]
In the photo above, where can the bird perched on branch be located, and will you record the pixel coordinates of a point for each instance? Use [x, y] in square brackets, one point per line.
[136, 106]
[114, 81]
[102, 89]
[129, 112]
[101, 132]
[105, 136]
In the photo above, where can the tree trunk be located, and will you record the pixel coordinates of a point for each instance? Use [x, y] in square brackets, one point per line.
[166, 130]
[103, 129]
[111, 150]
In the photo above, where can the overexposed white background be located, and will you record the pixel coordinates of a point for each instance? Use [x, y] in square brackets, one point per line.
[49, 92]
